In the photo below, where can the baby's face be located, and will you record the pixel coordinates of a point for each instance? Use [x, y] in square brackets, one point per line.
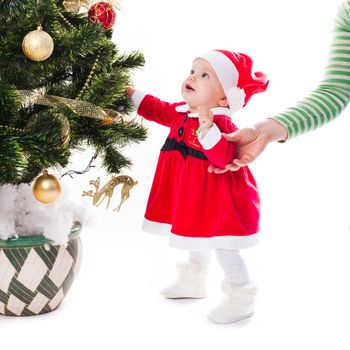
[202, 87]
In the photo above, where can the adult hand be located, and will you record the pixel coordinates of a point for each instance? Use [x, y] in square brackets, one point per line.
[251, 142]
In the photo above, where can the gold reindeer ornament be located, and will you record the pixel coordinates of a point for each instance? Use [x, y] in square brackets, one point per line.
[107, 190]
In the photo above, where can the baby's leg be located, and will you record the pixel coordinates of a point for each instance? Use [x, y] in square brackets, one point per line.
[191, 279]
[199, 258]
[239, 293]
[233, 266]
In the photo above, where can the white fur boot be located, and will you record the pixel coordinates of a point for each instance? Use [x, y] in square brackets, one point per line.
[237, 304]
[191, 282]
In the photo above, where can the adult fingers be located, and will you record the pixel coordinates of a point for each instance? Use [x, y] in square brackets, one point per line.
[233, 137]
[214, 169]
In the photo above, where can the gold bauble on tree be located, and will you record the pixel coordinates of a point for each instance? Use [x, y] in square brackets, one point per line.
[46, 188]
[38, 45]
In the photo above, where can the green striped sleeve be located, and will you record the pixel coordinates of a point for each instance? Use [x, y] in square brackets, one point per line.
[332, 95]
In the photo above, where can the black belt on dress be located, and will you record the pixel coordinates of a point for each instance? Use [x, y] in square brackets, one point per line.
[173, 144]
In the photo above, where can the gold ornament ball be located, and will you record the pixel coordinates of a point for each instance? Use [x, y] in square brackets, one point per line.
[37, 45]
[46, 188]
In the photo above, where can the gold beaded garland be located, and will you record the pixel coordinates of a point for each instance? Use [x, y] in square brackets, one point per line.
[65, 20]
[86, 84]
[11, 128]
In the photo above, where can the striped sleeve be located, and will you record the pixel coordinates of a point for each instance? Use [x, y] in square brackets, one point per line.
[332, 95]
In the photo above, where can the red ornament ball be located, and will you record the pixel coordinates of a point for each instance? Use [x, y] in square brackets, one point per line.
[102, 13]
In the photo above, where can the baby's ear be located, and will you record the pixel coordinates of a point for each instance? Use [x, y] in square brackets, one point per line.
[223, 102]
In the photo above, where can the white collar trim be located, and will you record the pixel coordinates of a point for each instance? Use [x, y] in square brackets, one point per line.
[216, 111]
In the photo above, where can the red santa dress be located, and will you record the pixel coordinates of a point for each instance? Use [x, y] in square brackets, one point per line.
[200, 210]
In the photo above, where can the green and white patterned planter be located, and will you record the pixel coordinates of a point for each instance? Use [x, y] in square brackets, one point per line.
[35, 276]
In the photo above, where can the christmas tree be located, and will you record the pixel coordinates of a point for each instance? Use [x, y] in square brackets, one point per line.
[51, 106]
[62, 88]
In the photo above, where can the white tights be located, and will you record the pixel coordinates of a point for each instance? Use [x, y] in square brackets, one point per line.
[231, 262]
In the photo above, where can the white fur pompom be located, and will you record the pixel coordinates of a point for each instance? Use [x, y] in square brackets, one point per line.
[236, 98]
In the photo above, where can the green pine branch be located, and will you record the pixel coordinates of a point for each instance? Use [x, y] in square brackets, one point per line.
[31, 134]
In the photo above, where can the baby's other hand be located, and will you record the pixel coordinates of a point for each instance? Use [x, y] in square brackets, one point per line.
[129, 91]
[205, 117]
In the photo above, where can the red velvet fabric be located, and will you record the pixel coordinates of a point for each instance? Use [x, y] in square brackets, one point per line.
[194, 202]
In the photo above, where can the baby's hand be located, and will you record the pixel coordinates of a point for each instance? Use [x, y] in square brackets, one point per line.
[129, 91]
[205, 118]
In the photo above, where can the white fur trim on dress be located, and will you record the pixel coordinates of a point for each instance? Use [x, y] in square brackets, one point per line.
[182, 108]
[211, 138]
[199, 243]
[157, 228]
[216, 111]
[137, 98]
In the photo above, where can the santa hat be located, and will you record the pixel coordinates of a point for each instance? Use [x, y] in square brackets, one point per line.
[234, 71]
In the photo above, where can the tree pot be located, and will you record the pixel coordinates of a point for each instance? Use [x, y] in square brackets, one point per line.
[35, 274]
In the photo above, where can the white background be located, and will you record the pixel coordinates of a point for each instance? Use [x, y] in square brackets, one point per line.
[302, 264]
